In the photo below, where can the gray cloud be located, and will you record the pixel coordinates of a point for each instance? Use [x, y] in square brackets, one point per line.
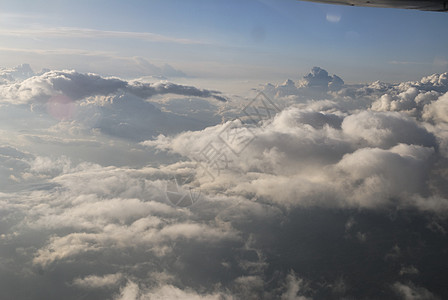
[147, 91]
[411, 292]
[93, 281]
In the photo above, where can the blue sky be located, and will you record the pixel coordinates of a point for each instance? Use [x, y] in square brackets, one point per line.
[265, 40]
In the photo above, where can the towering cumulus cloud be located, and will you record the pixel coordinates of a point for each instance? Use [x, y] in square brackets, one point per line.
[313, 189]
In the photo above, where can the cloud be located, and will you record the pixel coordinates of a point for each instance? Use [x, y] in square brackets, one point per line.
[437, 111]
[315, 84]
[70, 83]
[294, 285]
[116, 107]
[117, 210]
[146, 91]
[93, 281]
[411, 292]
[307, 158]
[333, 18]
[319, 79]
[132, 292]
[78, 86]
[386, 130]
[12, 74]
[166, 70]
[61, 32]
[376, 175]
[314, 202]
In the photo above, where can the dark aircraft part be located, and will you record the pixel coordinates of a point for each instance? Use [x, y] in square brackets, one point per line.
[431, 5]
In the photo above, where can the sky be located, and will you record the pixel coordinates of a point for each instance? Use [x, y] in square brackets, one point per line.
[221, 150]
[266, 40]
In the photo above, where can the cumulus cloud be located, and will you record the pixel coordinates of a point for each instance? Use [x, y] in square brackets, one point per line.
[116, 107]
[8, 75]
[437, 110]
[315, 84]
[319, 79]
[332, 196]
[386, 130]
[308, 158]
[78, 86]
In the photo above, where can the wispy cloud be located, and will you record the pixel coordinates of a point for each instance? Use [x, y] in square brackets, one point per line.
[88, 33]
[61, 51]
[403, 62]
[333, 18]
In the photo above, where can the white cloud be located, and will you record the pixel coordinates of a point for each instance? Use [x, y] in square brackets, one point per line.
[350, 171]
[21, 72]
[319, 79]
[78, 86]
[94, 281]
[437, 111]
[333, 18]
[386, 130]
[309, 158]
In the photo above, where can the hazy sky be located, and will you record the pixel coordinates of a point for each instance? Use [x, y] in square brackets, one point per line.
[269, 40]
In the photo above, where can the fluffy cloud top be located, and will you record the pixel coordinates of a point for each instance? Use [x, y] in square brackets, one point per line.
[18, 73]
[339, 194]
[319, 79]
[79, 86]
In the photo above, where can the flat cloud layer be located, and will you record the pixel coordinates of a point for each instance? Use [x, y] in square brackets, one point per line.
[315, 189]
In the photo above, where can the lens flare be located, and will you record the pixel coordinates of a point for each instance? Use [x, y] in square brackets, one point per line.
[61, 107]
